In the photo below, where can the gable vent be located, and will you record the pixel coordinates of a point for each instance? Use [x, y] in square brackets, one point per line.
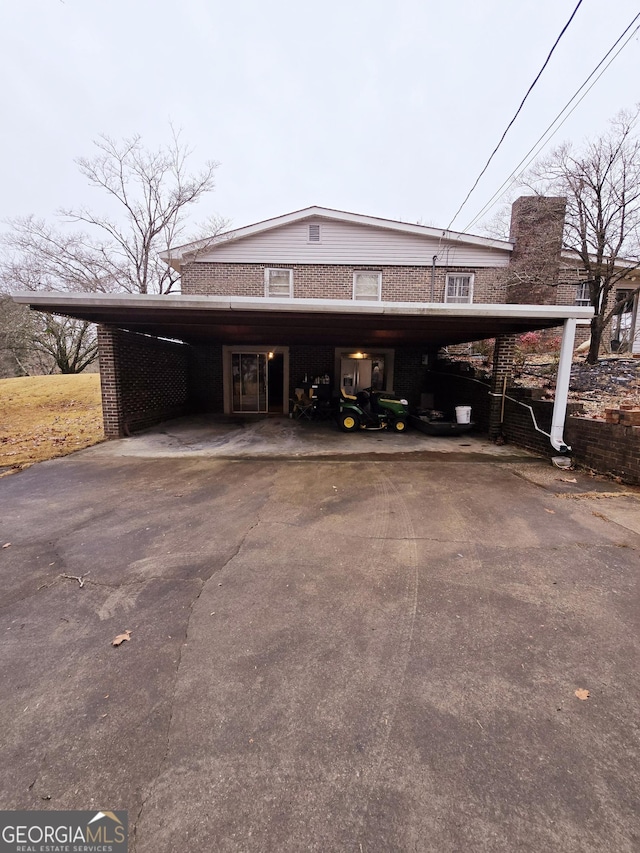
[314, 233]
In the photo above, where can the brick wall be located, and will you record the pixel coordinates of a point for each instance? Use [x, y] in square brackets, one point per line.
[310, 361]
[205, 383]
[409, 374]
[144, 380]
[334, 281]
[456, 384]
[611, 449]
[606, 448]
[518, 427]
[537, 223]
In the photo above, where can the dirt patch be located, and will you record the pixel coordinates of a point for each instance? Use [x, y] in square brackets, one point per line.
[608, 383]
[42, 417]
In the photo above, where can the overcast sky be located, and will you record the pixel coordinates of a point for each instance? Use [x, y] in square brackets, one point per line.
[381, 107]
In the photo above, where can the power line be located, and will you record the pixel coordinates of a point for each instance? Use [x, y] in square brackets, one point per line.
[529, 90]
[533, 148]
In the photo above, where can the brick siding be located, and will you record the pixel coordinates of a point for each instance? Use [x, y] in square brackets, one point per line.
[205, 383]
[310, 361]
[335, 281]
[606, 448]
[409, 373]
[143, 380]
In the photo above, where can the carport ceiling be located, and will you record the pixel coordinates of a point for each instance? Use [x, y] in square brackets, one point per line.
[246, 321]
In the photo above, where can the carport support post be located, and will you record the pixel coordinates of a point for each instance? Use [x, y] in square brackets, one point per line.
[112, 415]
[503, 358]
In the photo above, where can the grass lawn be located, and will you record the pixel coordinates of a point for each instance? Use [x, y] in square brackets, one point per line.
[46, 416]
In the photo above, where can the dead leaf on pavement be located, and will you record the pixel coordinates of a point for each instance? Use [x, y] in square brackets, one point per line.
[7, 545]
[567, 479]
[552, 511]
[121, 638]
[582, 694]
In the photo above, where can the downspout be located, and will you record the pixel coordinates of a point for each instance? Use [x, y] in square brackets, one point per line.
[433, 277]
[562, 386]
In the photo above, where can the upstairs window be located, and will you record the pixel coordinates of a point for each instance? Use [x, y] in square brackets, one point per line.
[367, 285]
[314, 232]
[278, 283]
[582, 294]
[459, 288]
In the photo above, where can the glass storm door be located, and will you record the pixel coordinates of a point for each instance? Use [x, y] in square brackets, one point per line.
[249, 381]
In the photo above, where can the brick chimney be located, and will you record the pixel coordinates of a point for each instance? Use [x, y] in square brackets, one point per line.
[537, 223]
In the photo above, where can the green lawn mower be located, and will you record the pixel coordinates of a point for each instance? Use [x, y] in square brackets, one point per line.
[373, 410]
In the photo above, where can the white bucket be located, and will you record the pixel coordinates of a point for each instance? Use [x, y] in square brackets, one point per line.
[463, 414]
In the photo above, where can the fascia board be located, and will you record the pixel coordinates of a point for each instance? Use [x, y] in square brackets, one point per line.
[249, 303]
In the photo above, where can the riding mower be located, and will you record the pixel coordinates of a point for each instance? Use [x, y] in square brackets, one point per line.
[370, 409]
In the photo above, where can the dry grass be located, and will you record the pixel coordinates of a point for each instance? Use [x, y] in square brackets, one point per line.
[46, 416]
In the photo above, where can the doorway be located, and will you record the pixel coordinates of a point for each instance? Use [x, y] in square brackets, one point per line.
[249, 382]
[275, 382]
[360, 370]
[255, 380]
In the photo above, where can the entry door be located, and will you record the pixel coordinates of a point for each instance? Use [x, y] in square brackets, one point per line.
[249, 382]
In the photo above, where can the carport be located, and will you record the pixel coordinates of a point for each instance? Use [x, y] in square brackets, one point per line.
[162, 356]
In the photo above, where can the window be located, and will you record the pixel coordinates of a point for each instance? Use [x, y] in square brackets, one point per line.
[459, 288]
[278, 283]
[314, 232]
[367, 285]
[582, 294]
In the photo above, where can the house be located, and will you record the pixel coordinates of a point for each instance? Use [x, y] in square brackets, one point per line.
[324, 297]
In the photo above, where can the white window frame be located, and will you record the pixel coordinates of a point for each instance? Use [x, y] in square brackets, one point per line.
[267, 283]
[456, 300]
[583, 296]
[378, 275]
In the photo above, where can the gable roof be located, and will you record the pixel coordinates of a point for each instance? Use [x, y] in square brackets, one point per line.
[175, 256]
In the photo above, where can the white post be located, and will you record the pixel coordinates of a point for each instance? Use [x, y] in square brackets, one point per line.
[562, 386]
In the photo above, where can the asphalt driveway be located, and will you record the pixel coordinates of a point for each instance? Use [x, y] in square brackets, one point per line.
[325, 655]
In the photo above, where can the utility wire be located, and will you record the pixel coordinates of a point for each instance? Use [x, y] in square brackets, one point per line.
[529, 90]
[526, 162]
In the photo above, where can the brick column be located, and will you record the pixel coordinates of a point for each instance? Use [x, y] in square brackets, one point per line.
[503, 359]
[112, 414]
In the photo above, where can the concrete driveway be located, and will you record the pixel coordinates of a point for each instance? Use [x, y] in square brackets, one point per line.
[325, 655]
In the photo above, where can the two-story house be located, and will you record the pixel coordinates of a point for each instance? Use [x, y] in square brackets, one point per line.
[350, 299]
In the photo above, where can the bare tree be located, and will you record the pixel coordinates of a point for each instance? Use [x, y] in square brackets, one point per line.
[39, 256]
[152, 191]
[71, 344]
[601, 183]
[149, 194]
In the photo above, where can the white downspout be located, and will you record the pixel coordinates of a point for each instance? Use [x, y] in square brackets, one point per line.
[562, 386]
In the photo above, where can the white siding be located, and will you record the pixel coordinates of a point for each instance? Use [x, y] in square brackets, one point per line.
[346, 243]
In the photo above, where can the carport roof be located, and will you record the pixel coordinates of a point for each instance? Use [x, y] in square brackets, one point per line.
[266, 321]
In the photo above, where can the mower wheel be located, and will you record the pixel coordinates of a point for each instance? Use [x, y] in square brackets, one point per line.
[399, 425]
[348, 421]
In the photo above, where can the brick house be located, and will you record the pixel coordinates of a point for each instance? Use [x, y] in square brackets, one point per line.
[321, 294]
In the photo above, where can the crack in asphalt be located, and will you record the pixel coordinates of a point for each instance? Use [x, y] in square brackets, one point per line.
[203, 583]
